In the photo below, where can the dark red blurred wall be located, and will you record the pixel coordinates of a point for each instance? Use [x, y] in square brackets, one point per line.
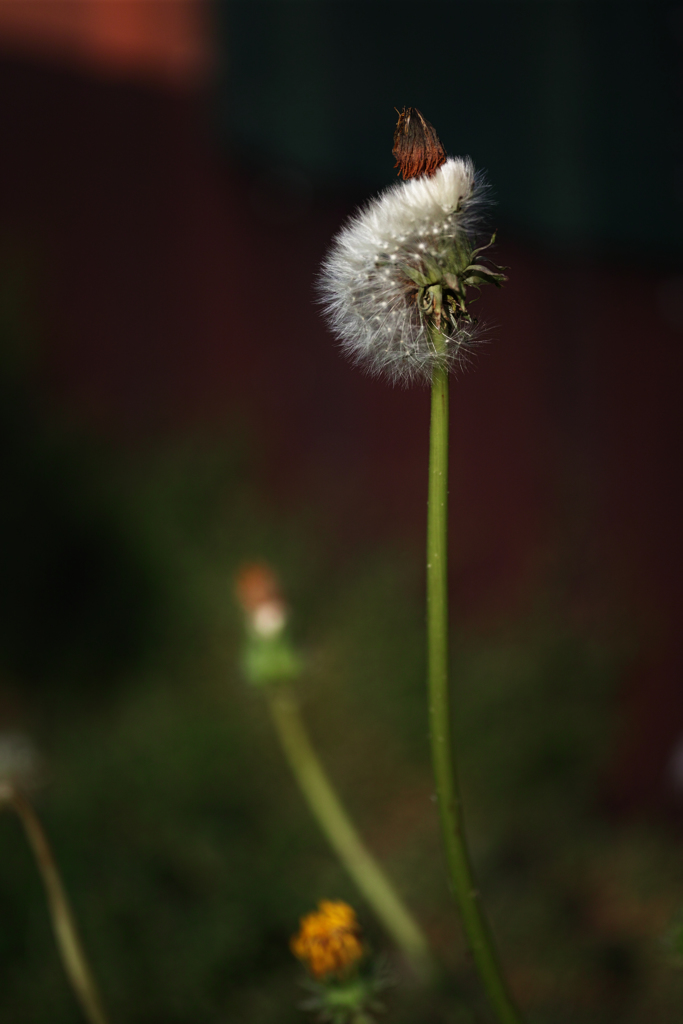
[176, 294]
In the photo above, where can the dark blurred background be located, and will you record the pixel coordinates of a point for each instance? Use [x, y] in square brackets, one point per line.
[171, 405]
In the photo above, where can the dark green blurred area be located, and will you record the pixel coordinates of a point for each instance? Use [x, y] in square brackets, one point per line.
[188, 852]
[574, 108]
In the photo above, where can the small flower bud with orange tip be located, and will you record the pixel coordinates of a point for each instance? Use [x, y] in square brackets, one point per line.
[268, 653]
[329, 940]
[258, 591]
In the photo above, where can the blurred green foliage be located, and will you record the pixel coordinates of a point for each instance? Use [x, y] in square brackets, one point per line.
[187, 850]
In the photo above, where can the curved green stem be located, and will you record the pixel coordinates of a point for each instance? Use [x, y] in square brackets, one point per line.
[332, 818]
[63, 922]
[459, 867]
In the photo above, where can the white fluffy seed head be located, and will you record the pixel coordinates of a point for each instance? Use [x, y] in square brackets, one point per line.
[369, 300]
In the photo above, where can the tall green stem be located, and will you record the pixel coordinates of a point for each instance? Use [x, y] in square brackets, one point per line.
[459, 867]
[63, 922]
[341, 834]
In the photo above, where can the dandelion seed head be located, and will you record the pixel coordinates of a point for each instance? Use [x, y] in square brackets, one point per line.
[367, 284]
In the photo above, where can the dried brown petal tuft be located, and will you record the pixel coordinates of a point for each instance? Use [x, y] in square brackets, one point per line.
[417, 147]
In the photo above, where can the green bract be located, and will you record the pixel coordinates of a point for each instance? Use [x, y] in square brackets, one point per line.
[270, 659]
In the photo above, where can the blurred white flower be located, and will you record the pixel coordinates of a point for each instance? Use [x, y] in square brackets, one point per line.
[20, 763]
[269, 618]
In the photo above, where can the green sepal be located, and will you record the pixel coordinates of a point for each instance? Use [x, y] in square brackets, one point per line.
[433, 269]
[483, 248]
[417, 277]
[349, 1001]
[480, 269]
[432, 274]
[270, 659]
[483, 275]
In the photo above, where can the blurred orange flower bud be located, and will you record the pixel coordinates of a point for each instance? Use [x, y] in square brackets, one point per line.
[329, 939]
[258, 591]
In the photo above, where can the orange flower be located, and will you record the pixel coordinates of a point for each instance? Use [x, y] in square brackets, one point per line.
[329, 939]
